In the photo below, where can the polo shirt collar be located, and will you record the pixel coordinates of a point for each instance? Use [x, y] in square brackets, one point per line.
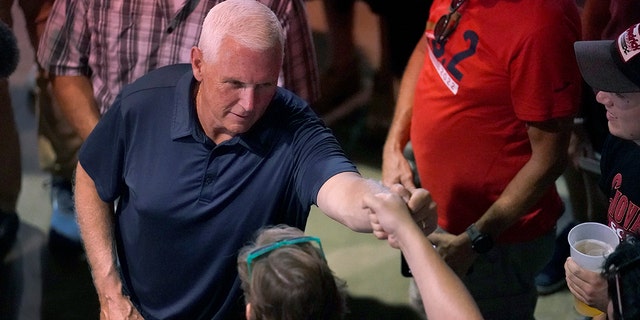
[186, 123]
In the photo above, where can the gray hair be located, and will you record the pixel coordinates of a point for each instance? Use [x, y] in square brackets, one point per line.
[249, 22]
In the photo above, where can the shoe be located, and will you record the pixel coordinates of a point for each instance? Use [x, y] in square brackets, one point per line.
[9, 224]
[64, 234]
[552, 278]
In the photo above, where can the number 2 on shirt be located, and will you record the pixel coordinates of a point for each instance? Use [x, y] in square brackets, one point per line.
[438, 50]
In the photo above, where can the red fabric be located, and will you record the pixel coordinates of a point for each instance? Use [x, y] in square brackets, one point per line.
[470, 137]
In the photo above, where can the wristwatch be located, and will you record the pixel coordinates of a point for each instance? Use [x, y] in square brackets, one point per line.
[480, 242]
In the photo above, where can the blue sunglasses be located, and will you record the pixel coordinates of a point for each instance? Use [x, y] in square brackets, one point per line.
[259, 252]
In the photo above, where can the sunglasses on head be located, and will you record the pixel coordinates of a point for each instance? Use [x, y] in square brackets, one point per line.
[262, 251]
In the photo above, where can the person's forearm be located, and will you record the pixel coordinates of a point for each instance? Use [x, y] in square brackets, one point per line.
[395, 168]
[74, 94]
[439, 286]
[341, 196]
[548, 160]
[399, 130]
[95, 219]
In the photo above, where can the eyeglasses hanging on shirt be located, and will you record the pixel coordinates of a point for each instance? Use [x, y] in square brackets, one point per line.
[447, 24]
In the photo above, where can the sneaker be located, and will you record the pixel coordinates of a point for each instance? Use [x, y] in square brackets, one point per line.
[9, 224]
[552, 278]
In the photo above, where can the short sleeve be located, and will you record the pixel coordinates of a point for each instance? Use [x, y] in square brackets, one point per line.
[545, 81]
[64, 45]
[102, 154]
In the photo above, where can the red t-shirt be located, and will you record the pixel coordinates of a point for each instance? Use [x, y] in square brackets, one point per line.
[507, 62]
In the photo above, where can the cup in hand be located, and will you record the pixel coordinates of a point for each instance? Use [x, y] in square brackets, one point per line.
[590, 244]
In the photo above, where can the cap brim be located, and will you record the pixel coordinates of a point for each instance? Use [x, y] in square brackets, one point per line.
[599, 69]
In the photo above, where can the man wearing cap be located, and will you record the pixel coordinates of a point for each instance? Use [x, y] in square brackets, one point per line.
[612, 68]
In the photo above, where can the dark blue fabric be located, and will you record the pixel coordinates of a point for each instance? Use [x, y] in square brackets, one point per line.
[187, 205]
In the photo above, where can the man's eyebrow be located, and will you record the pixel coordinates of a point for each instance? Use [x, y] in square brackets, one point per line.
[244, 84]
[229, 79]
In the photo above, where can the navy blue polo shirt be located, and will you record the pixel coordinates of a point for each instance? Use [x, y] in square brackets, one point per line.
[186, 205]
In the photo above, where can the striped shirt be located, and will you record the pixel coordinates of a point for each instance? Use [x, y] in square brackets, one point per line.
[114, 42]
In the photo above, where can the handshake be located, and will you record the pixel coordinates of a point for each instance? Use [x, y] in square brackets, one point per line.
[405, 218]
[393, 215]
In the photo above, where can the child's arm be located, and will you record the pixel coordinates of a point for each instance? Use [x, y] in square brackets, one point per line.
[443, 294]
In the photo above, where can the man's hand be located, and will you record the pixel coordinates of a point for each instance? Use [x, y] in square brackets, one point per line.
[388, 213]
[391, 213]
[114, 305]
[396, 170]
[117, 307]
[455, 250]
[421, 205]
[588, 286]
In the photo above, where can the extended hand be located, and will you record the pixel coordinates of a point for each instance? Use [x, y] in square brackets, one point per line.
[455, 250]
[422, 207]
[118, 307]
[388, 214]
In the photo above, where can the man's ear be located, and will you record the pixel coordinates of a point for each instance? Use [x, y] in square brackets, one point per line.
[247, 311]
[196, 62]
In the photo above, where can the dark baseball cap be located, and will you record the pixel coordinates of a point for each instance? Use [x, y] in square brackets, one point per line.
[611, 65]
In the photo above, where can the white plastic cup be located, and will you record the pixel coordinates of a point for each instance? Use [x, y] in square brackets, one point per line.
[591, 243]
